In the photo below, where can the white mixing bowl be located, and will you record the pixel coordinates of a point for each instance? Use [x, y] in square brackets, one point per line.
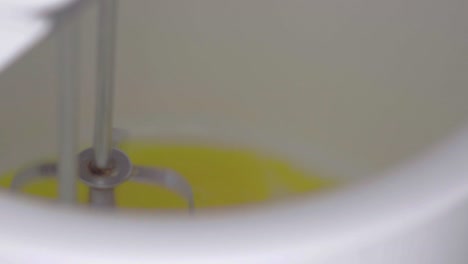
[370, 91]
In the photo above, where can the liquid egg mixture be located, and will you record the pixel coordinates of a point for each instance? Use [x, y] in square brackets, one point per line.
[218, 176]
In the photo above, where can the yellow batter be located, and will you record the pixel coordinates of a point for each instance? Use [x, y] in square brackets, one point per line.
[219, 177]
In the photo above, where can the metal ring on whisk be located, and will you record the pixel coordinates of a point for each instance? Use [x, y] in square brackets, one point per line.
[120, 171]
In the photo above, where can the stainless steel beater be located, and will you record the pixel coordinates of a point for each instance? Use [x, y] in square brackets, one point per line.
[102, 167]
